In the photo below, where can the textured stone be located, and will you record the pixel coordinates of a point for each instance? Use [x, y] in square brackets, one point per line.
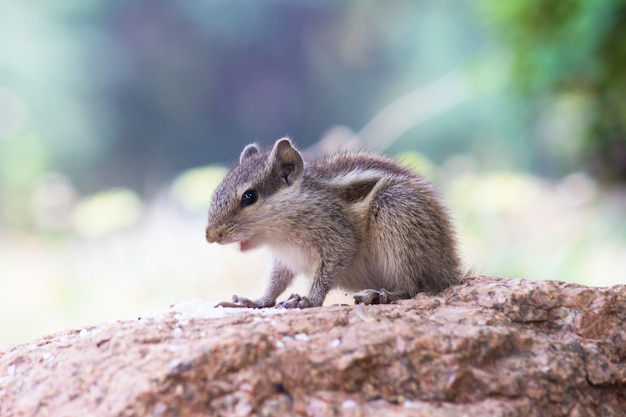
[488, 346]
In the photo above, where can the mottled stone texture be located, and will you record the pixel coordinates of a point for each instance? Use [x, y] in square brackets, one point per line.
[500, 347]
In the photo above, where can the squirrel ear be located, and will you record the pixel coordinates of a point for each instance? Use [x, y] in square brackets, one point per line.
[248, 151]
[286, 160]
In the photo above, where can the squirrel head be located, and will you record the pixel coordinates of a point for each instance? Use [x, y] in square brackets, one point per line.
[245, 200]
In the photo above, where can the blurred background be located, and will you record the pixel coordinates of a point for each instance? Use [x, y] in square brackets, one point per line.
[118, 119]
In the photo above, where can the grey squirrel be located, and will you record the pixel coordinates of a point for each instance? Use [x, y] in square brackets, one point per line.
[356, 221]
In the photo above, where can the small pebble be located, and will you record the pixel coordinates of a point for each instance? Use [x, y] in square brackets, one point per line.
[348, 404]
[302, 337]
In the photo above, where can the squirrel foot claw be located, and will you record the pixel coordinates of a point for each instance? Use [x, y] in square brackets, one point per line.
[243, 302]
[370, 297]
[296, 301]
[381, 296]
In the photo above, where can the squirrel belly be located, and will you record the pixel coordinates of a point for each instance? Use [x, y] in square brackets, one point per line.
[356, 221]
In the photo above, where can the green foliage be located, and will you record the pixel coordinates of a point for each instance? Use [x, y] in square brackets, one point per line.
[193, 188]
[107, 212]
[573, 47]
[552, 46]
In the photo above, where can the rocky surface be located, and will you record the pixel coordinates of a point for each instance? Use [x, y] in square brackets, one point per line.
[488, 346]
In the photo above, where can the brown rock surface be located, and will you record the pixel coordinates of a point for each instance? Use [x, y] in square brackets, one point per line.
[489, 346]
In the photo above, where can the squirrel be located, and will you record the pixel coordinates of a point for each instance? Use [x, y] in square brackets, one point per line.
[356, 221]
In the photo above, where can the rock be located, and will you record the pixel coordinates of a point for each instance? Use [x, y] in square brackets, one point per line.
[487, 346]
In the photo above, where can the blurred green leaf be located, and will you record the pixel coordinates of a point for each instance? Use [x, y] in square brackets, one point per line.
[193, 188]
[107, 212]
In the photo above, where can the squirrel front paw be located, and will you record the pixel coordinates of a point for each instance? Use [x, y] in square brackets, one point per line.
[296, 301]
[243, 302]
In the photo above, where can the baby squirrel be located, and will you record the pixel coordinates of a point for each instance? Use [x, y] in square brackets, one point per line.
[356, 221]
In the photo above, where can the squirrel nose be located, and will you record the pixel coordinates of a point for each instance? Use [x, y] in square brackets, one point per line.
[213, 234]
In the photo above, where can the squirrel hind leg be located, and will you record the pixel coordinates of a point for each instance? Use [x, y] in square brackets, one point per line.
[381, 296]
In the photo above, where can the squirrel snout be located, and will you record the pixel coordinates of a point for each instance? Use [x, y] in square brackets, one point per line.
[214, 234]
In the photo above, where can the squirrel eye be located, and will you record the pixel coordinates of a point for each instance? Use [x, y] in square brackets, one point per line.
[248, 198]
